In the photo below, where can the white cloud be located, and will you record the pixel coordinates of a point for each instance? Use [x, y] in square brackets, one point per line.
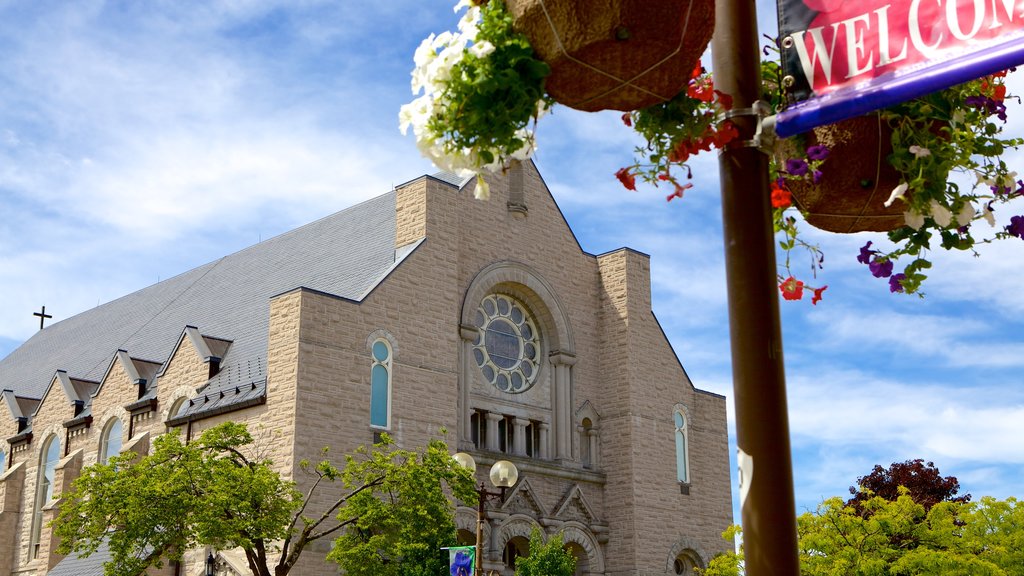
[855, 409]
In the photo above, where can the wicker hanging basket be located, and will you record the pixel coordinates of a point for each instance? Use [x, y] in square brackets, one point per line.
[616, 54]
[856, 178]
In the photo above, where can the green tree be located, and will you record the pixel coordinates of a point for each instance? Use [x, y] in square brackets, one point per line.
[217, 491]
[546, 558]
[398, 526]
[898, 538]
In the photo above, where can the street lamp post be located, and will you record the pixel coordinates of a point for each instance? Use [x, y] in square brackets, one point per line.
[211, 565]
[503, 475]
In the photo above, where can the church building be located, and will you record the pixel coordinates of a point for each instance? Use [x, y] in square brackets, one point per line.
[417, 311]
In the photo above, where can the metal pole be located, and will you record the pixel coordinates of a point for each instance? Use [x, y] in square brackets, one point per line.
[480, 532]
[759, 387]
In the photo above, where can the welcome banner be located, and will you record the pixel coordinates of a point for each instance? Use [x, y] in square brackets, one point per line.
[844, 58]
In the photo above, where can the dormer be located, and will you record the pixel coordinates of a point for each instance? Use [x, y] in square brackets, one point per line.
[19, 407]
[210, 349]
[78, 391]
[141, 373]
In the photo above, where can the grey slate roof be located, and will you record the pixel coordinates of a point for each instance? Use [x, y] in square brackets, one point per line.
[345, 254]
[73, 565]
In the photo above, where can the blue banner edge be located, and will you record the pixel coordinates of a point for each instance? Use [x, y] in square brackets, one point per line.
[886, 91]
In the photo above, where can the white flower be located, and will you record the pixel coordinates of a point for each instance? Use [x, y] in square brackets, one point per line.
[897, 192]
[416, 114]
[942, 216]
[482, 190]
[958, 118]
[983, 179]
[468, 22]
[913, 219]
[919, 151]
[481, 49]
[987, 214]
[965, 215]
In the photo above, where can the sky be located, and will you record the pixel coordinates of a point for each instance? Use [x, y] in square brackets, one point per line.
[140, 140]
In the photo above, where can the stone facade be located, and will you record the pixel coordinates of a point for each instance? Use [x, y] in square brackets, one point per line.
[589, 422]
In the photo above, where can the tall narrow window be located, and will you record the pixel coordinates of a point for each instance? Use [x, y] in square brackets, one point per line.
[3, 462]
[380, 385]
[110, 442]
[682, 450]
[44, 488]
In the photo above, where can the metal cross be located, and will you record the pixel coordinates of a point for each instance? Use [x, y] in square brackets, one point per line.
[42, 316]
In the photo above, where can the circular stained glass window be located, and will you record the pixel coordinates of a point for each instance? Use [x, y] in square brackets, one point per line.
[507, 349]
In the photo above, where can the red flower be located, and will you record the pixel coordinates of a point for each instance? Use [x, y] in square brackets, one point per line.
[628, 180]
[679, 191]
[781, 198]
[627, 119]
[724, 99]
[727, 132]
[817, 294]
[702, 90]
[792, 289]
[697, 70]
[999, 94]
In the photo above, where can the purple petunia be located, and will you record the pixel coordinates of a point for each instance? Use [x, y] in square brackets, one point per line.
[865, 253]
[817, 152]
[1016, 227]
[796, 167]
[988, 105]
[816, 176]
[896, 282]
[880, 268]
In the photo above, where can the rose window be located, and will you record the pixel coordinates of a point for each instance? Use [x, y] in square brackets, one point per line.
[507, 347]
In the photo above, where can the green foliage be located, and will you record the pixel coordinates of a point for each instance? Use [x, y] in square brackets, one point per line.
[181, 496]
[392, 510]
[490, 100]
[399, 516]
[730, 563]
[546, 558]
[897, 538]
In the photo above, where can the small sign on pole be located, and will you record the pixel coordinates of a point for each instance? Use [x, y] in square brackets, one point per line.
[461, 560]
[842, 58]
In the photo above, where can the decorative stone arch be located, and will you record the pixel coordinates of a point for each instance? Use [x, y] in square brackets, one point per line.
[553, 408]
[179, 393]
[578, 533]
[689, 547]
[55, 429]
[465, 519]
[382, 334]
[521, 281]
[516, 525]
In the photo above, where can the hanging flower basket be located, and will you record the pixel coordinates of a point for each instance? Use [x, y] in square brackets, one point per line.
[616, 54]
[855, 180]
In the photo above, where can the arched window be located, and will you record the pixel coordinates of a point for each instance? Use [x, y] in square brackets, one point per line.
[687, 563]
[110, 441]
[3, 462]
[176, 407]
[682, 447]
[48, 459]
[380, 384]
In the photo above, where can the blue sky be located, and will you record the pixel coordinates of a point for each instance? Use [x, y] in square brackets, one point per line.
[139, 140]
